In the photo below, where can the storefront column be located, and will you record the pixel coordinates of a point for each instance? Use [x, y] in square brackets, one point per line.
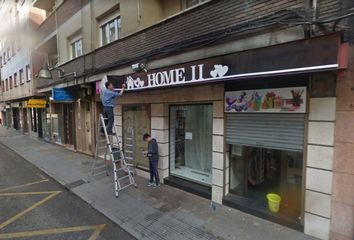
[118, 120]
[159, 131]
[218, 158]
[319, 166]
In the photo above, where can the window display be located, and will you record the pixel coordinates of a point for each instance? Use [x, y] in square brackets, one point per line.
[257, 172]
[191, 142]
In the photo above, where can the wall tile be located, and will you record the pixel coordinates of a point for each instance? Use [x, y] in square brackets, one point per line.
[216, 194]
[118, 120]
[320, 157]
[344, 158]
[159, 110]
[159, 123]
[322, 109]
[318, 203]
[319, 180]
[163, 149]
[321, 133]
[164, 162]
[337, 236]
[218, 177]
[345, 126]
[317, 226]
[161, 136]
[218, 143]
[218, 109]
[218, 160]
[343, 188]
[342, 219]
[218, 126]
[118, 109]
[345, 95]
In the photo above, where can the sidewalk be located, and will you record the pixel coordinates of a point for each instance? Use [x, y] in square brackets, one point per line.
[156, 214]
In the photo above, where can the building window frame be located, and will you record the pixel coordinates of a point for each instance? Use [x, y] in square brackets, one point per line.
[28, 73]
[22, 80]
[15, 80]
[114, 21]
[10, 82]
[76, 47]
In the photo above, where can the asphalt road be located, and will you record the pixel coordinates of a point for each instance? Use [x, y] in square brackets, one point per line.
[33, 206]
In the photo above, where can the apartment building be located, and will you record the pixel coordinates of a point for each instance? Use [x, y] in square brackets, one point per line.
[244, 97]
[19, 20]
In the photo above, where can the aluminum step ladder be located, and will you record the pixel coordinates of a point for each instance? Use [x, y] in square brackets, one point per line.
[129, 145]
[109, 147]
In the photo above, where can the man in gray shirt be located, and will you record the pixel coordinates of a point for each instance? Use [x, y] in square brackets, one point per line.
[108, 97]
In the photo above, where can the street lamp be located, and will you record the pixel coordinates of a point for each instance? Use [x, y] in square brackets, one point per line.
[45, 72]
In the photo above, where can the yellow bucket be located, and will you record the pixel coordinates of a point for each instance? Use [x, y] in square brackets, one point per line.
[273, 202]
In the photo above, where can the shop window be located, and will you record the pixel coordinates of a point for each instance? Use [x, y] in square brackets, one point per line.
[28, 73]
[191, 142]
[136, 122]
[255, 172]
[110, 31]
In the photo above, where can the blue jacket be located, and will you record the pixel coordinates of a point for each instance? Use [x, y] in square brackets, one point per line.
[108, 97]
[153, 151]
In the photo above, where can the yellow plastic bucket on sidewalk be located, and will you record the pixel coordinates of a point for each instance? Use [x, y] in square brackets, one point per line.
[273, 202]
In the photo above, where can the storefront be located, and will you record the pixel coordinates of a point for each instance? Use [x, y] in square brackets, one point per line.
[62, 117]
[233, 128]
[36, 110]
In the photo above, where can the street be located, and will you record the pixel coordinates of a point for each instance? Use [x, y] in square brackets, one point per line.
[33, 206]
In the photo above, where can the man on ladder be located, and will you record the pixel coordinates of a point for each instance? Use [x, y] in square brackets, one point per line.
[108, 97]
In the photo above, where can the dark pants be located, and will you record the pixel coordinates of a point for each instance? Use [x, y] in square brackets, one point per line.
[109, 113]
[153, 171]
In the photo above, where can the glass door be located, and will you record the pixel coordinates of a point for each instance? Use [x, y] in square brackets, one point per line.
[191, 142]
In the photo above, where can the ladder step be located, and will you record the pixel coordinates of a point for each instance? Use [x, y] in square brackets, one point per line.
[129, 158]
[121, 178]
[127, 151]
[129, 145]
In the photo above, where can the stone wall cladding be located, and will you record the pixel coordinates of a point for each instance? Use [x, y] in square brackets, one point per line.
[342, 224]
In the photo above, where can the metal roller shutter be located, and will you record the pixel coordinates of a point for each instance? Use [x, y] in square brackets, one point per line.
[274, 131]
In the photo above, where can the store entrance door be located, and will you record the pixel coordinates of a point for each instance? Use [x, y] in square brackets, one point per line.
[25, 121]
[69, 123]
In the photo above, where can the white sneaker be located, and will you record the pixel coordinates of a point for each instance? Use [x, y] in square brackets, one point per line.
[156, 185]
[150, 184]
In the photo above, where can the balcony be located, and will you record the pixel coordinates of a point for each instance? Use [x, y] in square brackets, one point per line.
[46, 5]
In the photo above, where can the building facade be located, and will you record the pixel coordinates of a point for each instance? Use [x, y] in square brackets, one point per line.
[17, 85]
[245, 98]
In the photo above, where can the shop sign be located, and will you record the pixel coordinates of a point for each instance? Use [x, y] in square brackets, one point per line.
[278, 100]
[62, 95]
[306, 56]
[36, 103]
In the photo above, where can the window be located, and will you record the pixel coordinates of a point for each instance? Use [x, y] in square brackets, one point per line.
[3, 86]
[110, 31]
[191, 142]
[0, 61]
[22, 78]
[76, 48]
[15, 80]
[13, 49]
[10, 80]
[28, 73]
[256, 171]
[190, 3]
[8, 53]
[7, 84]
[4, 57]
